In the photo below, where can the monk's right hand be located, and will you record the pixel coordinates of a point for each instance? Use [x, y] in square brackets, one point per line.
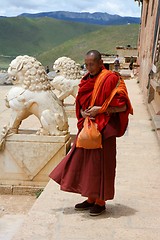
[84, 114]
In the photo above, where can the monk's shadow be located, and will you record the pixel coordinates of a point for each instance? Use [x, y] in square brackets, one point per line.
[112, 211]
[117, 211]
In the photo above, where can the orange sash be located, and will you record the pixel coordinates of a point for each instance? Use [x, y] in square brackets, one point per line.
[119, 89]
[98, 83]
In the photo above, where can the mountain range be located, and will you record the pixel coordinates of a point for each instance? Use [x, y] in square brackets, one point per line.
[99, 18]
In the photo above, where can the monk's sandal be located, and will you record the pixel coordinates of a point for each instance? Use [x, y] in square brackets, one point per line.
[83, 206]
[97, 210]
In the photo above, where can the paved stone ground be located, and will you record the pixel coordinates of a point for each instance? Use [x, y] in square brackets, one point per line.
[134, 214]
[13, 210]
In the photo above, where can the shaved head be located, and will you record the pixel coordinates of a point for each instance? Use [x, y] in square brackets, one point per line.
[93, 62]
[95, 54]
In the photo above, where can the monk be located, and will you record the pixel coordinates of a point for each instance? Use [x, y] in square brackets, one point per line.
[91, 172]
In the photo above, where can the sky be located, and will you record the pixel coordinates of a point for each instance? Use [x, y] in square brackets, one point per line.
[121, 7]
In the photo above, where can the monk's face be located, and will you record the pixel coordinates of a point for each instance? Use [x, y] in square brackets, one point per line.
[93, 65]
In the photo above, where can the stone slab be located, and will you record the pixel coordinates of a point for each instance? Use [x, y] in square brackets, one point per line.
[19, 190]
[6, 189]
[30, 136]
[28, 159]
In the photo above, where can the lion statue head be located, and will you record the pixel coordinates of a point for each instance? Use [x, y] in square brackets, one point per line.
[29, 73]
[67, 68]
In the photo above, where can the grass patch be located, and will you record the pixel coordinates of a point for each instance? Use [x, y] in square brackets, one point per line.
[38, 193]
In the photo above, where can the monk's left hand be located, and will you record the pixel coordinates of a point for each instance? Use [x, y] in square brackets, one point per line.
[93, 111]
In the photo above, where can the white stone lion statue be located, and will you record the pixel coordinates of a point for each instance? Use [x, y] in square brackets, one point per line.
[32, 94]
[68, 77]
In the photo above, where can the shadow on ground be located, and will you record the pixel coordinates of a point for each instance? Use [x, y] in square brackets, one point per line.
[112, 211]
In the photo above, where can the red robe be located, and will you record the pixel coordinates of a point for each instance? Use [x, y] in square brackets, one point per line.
[84, 97]
[91, 173]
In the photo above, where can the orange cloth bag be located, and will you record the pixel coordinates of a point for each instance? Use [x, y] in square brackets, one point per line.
[89, 137]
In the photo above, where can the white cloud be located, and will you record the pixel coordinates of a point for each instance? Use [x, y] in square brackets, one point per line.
[120, 7]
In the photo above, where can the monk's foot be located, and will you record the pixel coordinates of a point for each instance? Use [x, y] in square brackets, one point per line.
[83, 206]
[97, 210]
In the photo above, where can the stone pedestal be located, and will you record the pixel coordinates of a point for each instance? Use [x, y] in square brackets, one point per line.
[28, 159]
[70, 110]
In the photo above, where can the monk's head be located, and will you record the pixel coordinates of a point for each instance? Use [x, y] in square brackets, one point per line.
[93, 62]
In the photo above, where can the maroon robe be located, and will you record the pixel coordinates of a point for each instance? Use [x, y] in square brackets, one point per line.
[91, 172]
